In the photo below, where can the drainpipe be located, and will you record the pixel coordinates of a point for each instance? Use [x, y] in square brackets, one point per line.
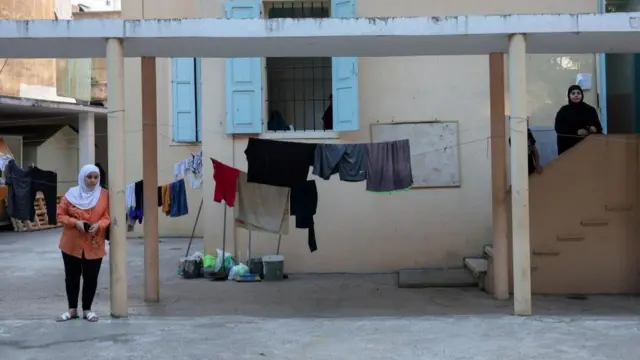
[601, 78]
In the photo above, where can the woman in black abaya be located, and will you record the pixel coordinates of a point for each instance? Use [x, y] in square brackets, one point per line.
[576, 120]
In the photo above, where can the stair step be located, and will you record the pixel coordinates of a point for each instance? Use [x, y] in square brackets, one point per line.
[476, 265]
[621, 207]
[545, 253]
[488, 250]
[570, 237]
[594, 222]
[439, 277]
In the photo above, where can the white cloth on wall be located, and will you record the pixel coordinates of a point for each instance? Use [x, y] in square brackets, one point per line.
[262, 207]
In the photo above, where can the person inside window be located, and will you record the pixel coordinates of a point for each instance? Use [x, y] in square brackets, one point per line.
[576, 120]
[327, 118]
[533, 156]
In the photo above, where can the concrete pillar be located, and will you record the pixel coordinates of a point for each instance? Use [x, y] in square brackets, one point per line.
[499, 176]
[115, 130]
[150, 178]
[86, 139]
[519, 175]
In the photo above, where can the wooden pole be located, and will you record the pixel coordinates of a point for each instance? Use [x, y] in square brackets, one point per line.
[150, 178]
[499, 176]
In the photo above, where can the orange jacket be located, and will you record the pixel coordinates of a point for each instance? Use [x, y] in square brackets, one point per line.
[74, 242]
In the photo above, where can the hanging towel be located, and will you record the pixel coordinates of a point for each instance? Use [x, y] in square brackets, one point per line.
[389, 166]
[137, 213]
[262, 207]
[194, 168]
[179, 206]
[130, 197]
[304, 202]
[180, 169]
[278, 163]
[226, 179]
[20, 200]
[349, 160]
[166, 199]
[46, 182]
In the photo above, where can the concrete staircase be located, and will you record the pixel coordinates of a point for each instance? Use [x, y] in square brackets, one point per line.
[478, 267]
[481, 267]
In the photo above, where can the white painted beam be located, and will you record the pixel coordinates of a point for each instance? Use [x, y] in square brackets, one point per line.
[455, 35]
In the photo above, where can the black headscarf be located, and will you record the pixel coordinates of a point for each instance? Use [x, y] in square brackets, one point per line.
[573, 117]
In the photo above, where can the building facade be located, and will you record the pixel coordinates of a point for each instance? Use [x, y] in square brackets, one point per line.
[217, 104]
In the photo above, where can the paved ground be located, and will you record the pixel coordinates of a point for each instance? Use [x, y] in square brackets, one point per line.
[305, 317]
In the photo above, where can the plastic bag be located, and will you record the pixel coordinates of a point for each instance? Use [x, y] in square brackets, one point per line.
[238, 270]
[229, 261]
[209, 261]
[190, 267]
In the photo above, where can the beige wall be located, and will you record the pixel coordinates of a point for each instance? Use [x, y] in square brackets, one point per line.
[97, 81]
[60, 154]
[358, 231]
[30, 72]
[587, 242]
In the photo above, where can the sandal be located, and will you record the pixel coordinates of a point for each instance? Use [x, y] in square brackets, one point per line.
[90, 316]
[66, 317]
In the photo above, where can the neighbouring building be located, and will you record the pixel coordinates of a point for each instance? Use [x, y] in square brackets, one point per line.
[44, 103]
[357, 231]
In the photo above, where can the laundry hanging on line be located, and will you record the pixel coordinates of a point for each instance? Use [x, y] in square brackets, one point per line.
[190, 168]
[23, 188]
[278, 163]
[172, 199]
[350, 161]
[262, 207]
[385, 166]
[257, 207]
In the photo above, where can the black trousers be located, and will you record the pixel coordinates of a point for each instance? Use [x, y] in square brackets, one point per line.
[74, 268]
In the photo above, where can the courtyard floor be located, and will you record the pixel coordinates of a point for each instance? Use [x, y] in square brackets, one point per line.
[305, 317]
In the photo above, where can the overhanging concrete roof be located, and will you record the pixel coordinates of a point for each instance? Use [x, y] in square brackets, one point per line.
[457, 35]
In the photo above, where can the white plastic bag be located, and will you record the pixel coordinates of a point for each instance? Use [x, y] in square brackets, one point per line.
[229, 261]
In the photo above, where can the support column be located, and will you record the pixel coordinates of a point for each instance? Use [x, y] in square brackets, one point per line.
[86, 139]
[519, 175]
[150, 178]
[115, 130]
[499, 177]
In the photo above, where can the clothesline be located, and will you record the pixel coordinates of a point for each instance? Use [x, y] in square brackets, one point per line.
[23, 188]
[276, 184]
[172, 197]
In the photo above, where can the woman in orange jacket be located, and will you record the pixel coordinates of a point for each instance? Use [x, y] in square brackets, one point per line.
[84, 212]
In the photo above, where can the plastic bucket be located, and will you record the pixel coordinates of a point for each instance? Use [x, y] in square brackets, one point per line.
[273, 267]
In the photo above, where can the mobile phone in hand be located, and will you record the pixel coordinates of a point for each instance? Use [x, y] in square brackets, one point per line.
[87, 226]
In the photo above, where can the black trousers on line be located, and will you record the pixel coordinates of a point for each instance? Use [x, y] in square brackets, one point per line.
[89, 270]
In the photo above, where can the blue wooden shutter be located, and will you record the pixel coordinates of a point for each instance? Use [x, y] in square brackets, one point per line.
[198, 79]
[345, 77]
[184, 99]
[244, 79]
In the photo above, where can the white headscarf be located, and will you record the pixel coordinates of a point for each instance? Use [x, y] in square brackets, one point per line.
[81, 196]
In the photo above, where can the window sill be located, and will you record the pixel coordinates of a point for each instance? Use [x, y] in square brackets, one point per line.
[174, 143]
[300, 135]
